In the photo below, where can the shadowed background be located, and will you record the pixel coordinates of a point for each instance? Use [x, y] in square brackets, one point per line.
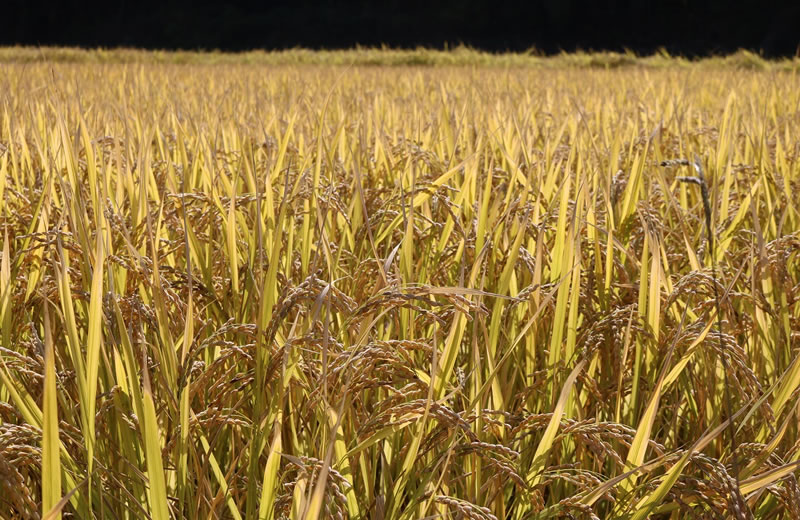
[680, 26]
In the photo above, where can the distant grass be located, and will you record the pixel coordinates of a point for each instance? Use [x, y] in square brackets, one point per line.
[460, 292]
[459, 56]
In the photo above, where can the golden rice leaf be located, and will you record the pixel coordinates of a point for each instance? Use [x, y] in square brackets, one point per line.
[539, 462]
[51, 457]
[157, 492]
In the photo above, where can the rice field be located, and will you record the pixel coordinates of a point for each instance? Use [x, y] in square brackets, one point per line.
[471, 291]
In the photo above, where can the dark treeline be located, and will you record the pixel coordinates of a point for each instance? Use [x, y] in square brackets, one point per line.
[688, 27]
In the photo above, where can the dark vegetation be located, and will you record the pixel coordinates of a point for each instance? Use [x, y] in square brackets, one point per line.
[682, 27]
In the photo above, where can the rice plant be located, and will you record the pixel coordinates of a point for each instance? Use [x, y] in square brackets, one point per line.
[261, 291]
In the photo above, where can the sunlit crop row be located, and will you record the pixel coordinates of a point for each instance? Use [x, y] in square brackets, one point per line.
[244, 291]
